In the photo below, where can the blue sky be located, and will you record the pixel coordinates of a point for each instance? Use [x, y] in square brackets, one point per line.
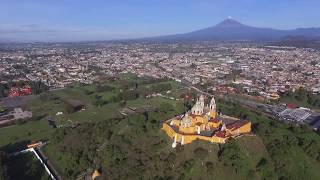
[76, 20]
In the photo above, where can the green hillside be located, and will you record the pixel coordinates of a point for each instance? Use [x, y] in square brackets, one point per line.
[129, 144]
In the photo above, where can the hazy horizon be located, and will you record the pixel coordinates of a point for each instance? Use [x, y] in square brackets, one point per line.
[72, 20]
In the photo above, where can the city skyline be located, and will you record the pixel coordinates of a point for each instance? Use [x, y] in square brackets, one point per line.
[105, 20]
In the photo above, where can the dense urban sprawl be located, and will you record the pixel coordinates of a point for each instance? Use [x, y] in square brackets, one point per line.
[262, 69]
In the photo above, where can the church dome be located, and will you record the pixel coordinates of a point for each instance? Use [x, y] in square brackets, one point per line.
[197, 109]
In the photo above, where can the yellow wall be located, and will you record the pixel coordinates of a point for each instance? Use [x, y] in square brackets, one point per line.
[189, 138]
[246, 128]
[214, 139]
[176, 122]
[214, 125]
[168, 130]
[243, 129]
[200, 119]
[213, 114]
[188, 130]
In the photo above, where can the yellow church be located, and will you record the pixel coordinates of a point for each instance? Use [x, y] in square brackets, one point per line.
[203, 123]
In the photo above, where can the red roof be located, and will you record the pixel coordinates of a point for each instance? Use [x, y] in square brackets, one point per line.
[236, 124]
[291, 106]
[214, 120]
[221, 134]
[14, 91]
[193, 115]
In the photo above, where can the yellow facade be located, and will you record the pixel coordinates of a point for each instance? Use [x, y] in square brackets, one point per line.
[190, 138]
[242, 130]
[168, 130]
[214, 124]
[187, 130]
[207, 126]
[213, 114]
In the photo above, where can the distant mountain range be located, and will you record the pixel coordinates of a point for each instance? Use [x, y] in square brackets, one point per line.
[232, 30]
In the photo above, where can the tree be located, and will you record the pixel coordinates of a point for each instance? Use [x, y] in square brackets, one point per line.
[262, 163]
[129, 95]
[137, 119]
[104, 88]
[3, 167]
[209, 166]
[230, 154]
[38, 87]
[2, 91]
[34, 170]
[201, 153]
[161, 87]
[187, 165]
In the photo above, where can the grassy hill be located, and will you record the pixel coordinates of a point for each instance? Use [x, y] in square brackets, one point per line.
[133, 146]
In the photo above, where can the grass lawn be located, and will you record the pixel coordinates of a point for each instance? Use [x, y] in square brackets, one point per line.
[155, 102]
[29, 131]
[45, 107]
[90, 114]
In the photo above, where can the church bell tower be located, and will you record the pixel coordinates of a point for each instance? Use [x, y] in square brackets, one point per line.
[213, 107]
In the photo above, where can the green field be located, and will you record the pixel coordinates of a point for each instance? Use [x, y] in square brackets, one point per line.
[17, 136]
[48, 104]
